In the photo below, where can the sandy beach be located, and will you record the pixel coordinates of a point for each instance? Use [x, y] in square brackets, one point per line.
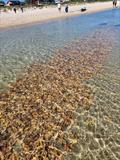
[34, 15]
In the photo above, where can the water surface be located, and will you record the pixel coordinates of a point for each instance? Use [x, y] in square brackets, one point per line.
[21, 46]
[96, 125]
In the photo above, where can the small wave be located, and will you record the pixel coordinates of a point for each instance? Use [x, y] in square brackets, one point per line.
[117, 25]
[103, 24]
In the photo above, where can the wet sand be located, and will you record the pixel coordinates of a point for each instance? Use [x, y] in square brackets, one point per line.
[55, 112]
[31, 15]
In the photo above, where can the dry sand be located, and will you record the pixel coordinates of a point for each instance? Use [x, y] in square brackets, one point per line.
[32, 15]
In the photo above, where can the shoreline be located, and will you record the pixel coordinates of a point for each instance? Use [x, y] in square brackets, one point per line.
[35, 16]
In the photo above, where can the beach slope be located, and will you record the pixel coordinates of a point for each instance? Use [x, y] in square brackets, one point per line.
[32, 15]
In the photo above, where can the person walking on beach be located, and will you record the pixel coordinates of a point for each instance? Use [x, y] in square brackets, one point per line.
[114, 3]
[66, 8]
[59, 7]
[21, 7]
[14, 9]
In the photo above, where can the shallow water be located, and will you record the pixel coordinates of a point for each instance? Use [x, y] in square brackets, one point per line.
[99, 127]
[21, 46]
[96, 125]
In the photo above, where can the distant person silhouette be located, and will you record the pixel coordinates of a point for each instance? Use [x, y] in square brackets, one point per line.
[114, 3]
[59, 7]
[14, 9]
[66, 8]
[21, 8]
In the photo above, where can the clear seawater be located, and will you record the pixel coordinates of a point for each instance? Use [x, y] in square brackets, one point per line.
[99, 126]
[21, 46]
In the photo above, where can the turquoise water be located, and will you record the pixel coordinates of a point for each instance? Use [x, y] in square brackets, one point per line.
[23, 45]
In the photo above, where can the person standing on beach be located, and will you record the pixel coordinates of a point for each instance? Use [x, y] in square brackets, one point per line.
[66, 8]
[21, 7]
[14, 9]
[114, 3]
[59, 7]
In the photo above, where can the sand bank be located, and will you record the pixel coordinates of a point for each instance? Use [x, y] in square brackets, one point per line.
[32, 15]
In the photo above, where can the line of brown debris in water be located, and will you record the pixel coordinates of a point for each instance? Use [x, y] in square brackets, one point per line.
[38, 110]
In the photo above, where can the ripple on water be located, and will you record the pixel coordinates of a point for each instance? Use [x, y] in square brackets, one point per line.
[117, 25]
[20, 47]
[92, 130]
[103, 24]
[61, 107]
